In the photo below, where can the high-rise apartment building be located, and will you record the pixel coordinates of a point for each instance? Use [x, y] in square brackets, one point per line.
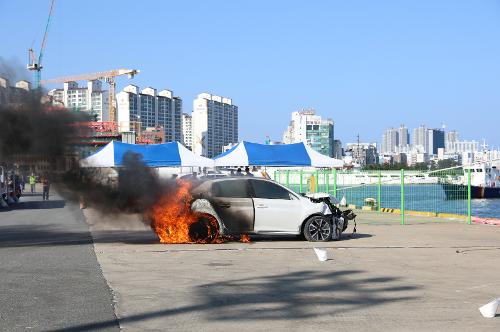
[421, 138]
[308, 127]
[450, 138]
[403, 137]
[127, 103]
[170, 114]
[187, 131]
[148, 115]
[214, 124]
[147, 109]
[91, 99]
[390, 141]
[435, 140]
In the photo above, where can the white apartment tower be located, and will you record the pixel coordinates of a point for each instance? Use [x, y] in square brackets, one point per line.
[214, 124]
[421, 138]
[403, 137]
[91, 99]
[148, 108]
[450, 138]
[187, 131]
[390, 141]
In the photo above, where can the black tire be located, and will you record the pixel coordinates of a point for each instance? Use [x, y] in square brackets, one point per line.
[318, 229]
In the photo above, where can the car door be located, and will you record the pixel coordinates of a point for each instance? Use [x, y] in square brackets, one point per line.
[276, 209]
[232, 201]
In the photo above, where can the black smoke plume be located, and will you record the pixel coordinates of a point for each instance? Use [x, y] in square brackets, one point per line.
[33, 133]
[135, 189]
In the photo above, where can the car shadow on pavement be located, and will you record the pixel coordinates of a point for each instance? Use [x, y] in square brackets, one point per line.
[50, 235]
[345, 236]
[285, 297]
[34, 235]
[54, 204]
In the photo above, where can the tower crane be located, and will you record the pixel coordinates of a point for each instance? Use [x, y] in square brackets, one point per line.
[108, 76]
[34, 63]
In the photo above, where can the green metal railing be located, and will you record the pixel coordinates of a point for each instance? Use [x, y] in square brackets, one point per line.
[445, 193]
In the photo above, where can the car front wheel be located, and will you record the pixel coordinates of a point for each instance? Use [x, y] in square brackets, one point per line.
[318, 229]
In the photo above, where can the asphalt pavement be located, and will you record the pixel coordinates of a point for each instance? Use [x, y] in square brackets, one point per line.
[49, 276]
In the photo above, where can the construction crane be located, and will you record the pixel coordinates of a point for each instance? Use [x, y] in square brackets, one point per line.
[108, 76]
[34, 63]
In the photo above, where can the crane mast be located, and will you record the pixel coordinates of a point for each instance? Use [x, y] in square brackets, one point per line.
[35, 64]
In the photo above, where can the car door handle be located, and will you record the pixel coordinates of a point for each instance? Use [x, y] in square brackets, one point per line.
[224, 205]
[262, 206]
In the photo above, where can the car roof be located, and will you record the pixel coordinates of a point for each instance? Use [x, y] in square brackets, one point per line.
[203, 183]
[236, 177]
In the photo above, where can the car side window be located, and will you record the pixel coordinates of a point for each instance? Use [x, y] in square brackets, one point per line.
[231, 188]
[269, 190]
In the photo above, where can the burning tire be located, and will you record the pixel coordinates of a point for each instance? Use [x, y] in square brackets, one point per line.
[205, 229]
[318, 229]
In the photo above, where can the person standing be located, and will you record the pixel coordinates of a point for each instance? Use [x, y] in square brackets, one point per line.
[32, 180]
[46, 188]
[247, 171]
[22, 178]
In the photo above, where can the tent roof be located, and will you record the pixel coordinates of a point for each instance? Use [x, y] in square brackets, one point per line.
[254, 154]
[154, 155]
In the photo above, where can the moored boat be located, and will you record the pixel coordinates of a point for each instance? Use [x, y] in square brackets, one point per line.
[484, 182]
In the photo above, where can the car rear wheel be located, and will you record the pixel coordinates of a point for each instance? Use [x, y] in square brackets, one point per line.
[318, 229]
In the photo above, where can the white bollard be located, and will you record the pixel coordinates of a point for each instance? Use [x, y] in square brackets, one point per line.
[489, 310]
[322, 255]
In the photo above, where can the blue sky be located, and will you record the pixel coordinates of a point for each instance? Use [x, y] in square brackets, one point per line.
[368, 65]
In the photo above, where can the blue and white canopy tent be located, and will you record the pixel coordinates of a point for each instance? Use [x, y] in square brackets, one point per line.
[171, 154]
[254, 154]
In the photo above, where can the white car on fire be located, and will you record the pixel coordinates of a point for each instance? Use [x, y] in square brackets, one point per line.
[248, 205]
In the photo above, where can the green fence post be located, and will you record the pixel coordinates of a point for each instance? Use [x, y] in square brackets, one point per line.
[300, 182]
[469, 205]
[325, 173]
[276, 171]
[379, 191]
[402, 196]
[316, 178]
[287, 179]
[334, 182]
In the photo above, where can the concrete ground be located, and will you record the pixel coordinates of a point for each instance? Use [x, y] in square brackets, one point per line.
[424, 276]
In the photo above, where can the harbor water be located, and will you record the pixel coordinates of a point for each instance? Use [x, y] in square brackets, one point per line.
[419, 197]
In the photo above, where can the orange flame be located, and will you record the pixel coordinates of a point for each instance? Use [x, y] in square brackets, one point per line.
[174, 222]
[244, 238]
